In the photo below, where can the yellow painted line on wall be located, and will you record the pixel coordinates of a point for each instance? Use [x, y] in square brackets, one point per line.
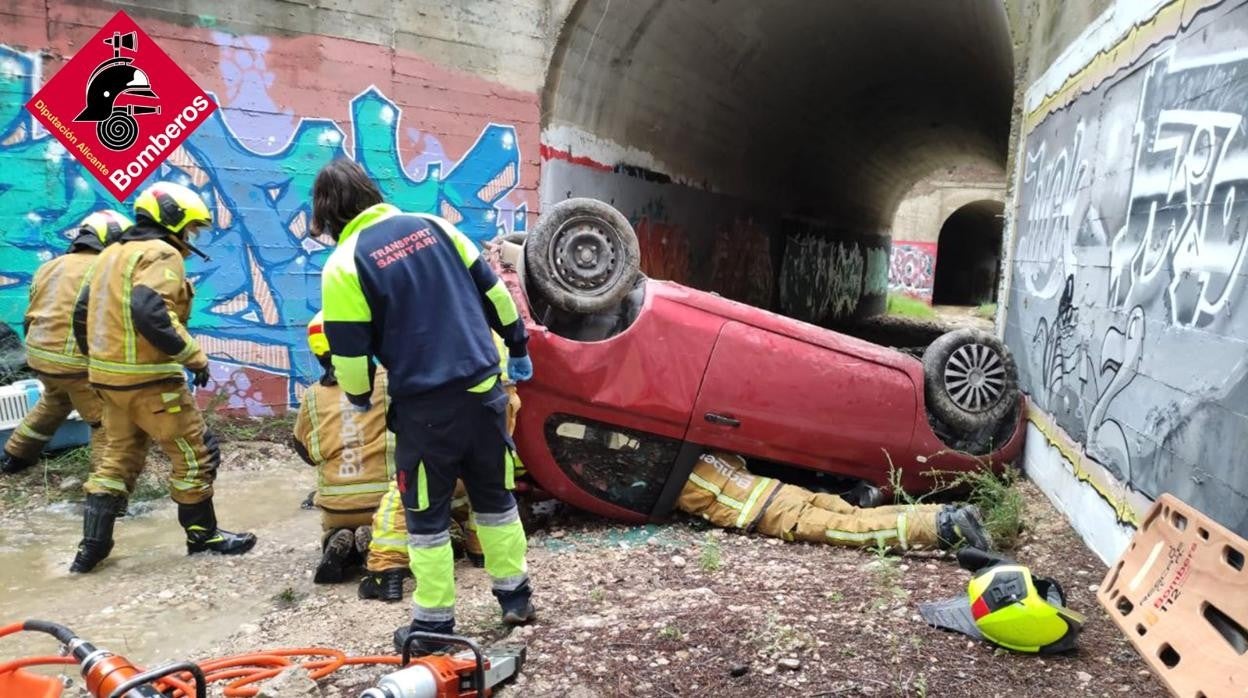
[1078, 460]
[1166, 23]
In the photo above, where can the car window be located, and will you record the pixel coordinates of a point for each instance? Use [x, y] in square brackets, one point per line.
[624, 467]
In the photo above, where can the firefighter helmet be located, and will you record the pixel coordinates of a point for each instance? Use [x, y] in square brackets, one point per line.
[317, 341]
[1010, 608]
[172, 206]
[99, 229]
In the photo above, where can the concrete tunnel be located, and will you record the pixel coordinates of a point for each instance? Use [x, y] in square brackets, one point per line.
[761, 149]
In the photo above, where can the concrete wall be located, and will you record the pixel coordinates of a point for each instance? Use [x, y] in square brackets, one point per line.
[922, 214]
[437, 100]
[1130, 225]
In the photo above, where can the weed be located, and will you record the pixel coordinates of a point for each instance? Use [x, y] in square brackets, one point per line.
[231, 427]
[1000, 502]
[887, 577]
[597, 595]
[776, 638]
[75, 462]
[904, 306]
[671, 632]
[287, 597]
[834, 596]
[709, 560]
[920, 686]
[988, 311]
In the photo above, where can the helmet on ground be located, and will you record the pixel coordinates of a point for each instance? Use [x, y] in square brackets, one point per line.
[1010, 608]
[172, 207]
[99, 229]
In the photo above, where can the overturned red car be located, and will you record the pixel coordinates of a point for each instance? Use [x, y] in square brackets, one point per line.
[636, 377]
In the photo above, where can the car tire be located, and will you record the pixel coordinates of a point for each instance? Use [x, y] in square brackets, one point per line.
[607, 262]
[970, 380]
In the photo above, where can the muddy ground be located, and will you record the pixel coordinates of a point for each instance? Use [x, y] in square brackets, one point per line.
[671, 610]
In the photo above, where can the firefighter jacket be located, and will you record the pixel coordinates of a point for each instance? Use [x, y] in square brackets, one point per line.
[130, 319]
[723, 492]
[415, 293]
[352, 451]
[50, 345]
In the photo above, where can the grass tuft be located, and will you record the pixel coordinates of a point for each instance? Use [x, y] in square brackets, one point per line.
[904, 306]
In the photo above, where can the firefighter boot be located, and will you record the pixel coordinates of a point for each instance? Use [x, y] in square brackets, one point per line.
[962, 526]
[338, 548]
[98, 514]
[517, 605]
[10, 463]
[202, 534]
[386, 585]
[420, 647]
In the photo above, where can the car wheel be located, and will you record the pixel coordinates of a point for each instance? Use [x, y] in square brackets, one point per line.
[970, 380]
[582, 256]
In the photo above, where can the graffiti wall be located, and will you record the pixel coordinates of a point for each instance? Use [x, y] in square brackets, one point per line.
[1127, 309]
[912, 269]
[435, 140]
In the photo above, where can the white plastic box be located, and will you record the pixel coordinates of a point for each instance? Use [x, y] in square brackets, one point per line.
[19, 397]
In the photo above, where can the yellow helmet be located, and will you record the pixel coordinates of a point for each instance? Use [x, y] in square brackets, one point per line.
[99, 230]
[1008, 607]
[317, 341]
[172, 206]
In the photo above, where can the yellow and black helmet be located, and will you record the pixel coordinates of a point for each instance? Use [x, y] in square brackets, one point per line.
[99, 229]
[317, 342]
[172, 207]
[1010, 608]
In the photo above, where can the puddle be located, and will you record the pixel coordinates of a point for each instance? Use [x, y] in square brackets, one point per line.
[150, 601]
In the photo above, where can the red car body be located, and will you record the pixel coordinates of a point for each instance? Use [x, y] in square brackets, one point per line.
[696, 371]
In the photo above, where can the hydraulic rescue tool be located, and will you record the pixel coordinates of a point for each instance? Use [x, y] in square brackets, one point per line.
[471, 673]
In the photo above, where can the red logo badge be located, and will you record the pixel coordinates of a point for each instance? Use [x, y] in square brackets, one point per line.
[121, 106]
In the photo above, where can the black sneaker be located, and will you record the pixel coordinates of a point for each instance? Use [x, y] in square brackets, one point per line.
[332, 567]
[962, 526]
[386, 585]
[220, 541]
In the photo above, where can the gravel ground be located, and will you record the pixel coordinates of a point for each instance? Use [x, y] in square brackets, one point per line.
[682, 610]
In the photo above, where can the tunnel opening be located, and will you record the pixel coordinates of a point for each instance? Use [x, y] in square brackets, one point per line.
[761, 149]
[968, 255]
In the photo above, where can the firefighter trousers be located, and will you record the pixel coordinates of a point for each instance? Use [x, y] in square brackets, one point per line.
[61, 395]
[166, 414]
[796, 513]
[438, 441]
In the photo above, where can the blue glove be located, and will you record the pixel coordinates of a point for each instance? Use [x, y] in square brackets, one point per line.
[519, 368]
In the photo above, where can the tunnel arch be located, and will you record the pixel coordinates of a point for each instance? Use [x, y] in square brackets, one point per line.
[968, 255]
[788, 128]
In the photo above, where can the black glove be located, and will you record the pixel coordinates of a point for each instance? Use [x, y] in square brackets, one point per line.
[200, 376]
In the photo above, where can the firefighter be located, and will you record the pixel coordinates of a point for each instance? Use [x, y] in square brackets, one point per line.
[353, 453]
[50, 348]
[413, 292]
[130, 322]
[722, 491]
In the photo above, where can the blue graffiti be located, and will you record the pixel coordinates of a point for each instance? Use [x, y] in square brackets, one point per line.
[262, 284]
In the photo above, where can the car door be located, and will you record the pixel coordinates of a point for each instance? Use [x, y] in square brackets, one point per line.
[771, 396]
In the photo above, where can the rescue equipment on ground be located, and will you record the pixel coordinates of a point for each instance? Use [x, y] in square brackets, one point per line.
[470, 674]
[1007, 606]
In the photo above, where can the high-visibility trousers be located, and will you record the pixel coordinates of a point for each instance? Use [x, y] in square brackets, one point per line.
[164, 413]
[61, 395]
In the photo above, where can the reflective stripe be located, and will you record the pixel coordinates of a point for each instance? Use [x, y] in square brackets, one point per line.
[74, 360]
[315, 431]
[510, 583]
[115, 367]
[359, 488]
[485, 385]
[422, 488]
[503, 303]
[763, 483]
[428, 540]
[385, 402]
[31, 433]
[433, 615]
[188, 350]
[393, 543]
[127, 320]
[879, 536]
[509, 469]
[500, 519]
[719, 495]
[108, 483]
[192, 473]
